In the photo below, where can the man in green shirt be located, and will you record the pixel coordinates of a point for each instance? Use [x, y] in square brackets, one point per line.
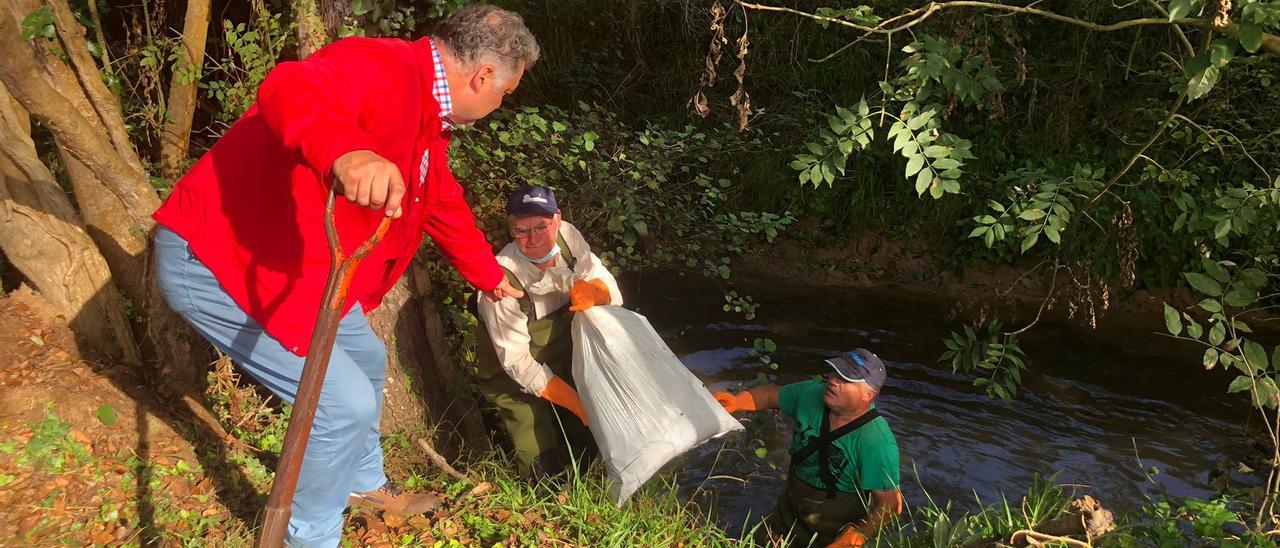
[843, 482]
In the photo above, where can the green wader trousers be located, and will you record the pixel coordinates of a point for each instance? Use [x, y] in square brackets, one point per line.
[812, 519]
[538, 429]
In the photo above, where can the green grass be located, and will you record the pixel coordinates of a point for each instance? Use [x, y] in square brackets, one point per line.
[574, 509]
[571, 510]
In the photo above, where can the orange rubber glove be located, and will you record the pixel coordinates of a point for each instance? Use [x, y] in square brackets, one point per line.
[588, 293]
[560, 393]
[849, 538]
[742, 401]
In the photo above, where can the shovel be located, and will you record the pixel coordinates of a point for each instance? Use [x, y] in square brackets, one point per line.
[341, 271]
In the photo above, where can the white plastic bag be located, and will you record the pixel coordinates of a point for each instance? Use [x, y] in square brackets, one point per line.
[644, 407]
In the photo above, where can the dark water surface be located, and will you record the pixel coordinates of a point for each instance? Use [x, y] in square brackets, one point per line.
[1100, 411]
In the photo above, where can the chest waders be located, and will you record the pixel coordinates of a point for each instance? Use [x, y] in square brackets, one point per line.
[534, 424]
[812, 513]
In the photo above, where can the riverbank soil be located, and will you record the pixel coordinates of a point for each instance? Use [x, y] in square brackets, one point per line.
[1016, 293]
[89, 455]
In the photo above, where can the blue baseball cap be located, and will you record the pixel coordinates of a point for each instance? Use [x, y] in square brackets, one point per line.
[532, 201]
[859, 365]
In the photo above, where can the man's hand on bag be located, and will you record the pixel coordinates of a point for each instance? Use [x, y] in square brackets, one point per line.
[560, 393]
[503, 291]
[588, 293]
[849, 538]
[732, 403]
[370, 180]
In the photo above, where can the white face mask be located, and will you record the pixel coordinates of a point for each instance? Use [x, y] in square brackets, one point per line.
[555, 250]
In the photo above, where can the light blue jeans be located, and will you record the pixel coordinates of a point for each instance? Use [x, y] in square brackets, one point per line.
[343, 454]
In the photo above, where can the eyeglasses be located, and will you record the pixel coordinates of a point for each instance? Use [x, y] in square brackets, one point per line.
[526, 233]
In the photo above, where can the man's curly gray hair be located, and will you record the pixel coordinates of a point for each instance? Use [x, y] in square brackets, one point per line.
[480, 30]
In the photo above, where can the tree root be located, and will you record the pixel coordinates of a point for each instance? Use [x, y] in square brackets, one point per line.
[479, 488]
[1036, 538]
[439, 461]
[211, 424]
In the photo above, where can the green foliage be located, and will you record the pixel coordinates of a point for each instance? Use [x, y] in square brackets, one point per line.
[936, 68]
[762, 350]
[253, 418]
[994, 356]
[1046, 500]
[939, 529]
[1037, 204]
[393, 17]
[650, 197]
[1257, 16]
[1179, 9]
[942, 527]
[1206, 184]
[1201, 522]
[740, 304]
[1203, 71]
[574, 511]
[850, 130]
[653, 190]
[935, 159]
[861, 15]
[1231, 291]
[251, 52]
[52, 448]
[39, 23]
[106, 414]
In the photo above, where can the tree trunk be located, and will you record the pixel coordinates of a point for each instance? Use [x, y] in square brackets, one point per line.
[463, 405]
[119, 239]
[111, 187]
[311, 35]
[408, 394]
[26, 82]
[182, 91]
[423, 385]
[333, 13]
[318, 23]
[102, 36]
[43, 238]
[105, 103]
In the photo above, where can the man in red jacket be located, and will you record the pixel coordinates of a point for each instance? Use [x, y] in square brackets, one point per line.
[242, 252]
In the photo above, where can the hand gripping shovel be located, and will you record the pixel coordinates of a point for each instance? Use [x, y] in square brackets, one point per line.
[341, 271]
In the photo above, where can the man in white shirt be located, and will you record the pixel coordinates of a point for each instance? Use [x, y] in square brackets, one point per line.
[524, 346]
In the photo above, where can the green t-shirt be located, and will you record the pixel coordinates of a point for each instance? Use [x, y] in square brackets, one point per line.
[863, 460]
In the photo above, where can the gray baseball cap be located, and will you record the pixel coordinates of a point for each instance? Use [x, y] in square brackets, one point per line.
[859, 365]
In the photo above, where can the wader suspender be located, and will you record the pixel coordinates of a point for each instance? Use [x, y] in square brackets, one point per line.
[826, 439]
[526, 304]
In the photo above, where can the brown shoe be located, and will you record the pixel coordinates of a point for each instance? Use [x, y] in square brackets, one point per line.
[388, 498]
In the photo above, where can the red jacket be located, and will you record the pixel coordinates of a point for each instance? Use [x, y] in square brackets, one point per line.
[253, 207]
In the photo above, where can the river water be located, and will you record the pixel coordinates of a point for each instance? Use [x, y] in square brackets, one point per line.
[1101, 412]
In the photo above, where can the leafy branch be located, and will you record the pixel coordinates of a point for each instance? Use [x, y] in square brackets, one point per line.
[1038, 205]
[1249, 30]
[1230, 291]
[934, 70]
[997, 355]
